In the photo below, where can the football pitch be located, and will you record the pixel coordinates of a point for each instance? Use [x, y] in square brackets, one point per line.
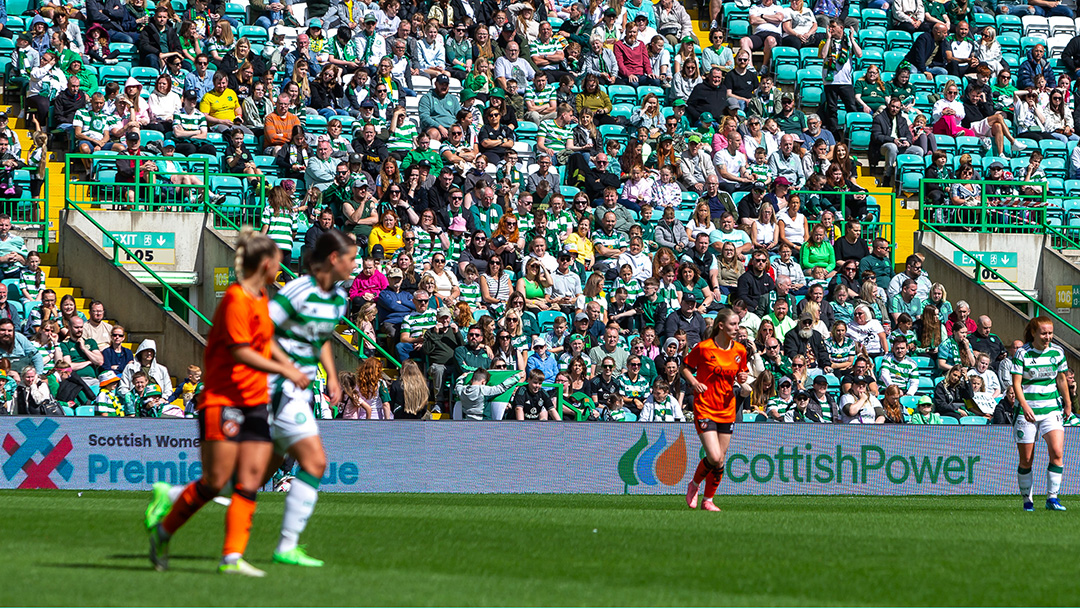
[61, 548]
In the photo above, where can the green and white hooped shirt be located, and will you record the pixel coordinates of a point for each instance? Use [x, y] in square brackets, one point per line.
[1039, 371]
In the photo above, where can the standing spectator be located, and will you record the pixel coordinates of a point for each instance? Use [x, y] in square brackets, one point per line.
[838, 51]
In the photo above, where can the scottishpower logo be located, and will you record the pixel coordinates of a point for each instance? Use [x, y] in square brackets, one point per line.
[654, 464]
[37, 440]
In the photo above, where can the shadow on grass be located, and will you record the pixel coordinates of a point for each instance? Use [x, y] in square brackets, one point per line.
[130, 568]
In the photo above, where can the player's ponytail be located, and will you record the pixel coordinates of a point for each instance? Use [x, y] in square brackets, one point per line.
[252, 248]
[718, 322]
[331, 242]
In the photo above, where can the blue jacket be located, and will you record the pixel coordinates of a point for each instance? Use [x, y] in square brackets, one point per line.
[549, 365]
[1025, 76]
[22, 348]
[116, 362]
[394, 306]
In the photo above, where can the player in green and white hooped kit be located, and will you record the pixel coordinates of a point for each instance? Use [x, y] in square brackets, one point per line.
[1041, 392]
[305, 312]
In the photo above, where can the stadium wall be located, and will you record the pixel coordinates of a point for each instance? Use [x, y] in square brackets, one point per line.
[125, 298]
[593, 458]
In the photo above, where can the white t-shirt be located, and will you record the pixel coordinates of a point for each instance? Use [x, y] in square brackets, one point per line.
[794, 228]
[866, 415]
[733, 162]
[802, 22]
[760, 11]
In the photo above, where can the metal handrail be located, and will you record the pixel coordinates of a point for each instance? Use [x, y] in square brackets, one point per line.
[978, 278]
[292, 275]
[891, 224]
[118, 246]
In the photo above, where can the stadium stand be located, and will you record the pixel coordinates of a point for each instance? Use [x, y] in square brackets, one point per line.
[556, 186]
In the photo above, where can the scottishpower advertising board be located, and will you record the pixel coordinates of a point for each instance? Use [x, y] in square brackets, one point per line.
[491, 457]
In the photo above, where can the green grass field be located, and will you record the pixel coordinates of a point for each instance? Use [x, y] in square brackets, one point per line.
[404, 549]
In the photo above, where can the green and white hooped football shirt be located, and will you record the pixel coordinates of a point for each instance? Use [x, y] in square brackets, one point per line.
[1039, 371]
[304, 318]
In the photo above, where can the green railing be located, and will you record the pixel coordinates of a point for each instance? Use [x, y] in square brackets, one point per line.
[998, 212]
[166, 289]
[871, 229]
[244, 200]
[228, 223]
[980, 267]
[34, 212]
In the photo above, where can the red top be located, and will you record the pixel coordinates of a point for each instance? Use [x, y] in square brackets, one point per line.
[240, 320]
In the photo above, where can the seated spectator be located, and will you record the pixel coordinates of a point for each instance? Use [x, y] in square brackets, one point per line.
[955, 350]
[906, 301]
[961, 316]
[438, 109]
[95, 129]
[858, 406]
[951, 394]
[116, 356]
[96, 327]
[190, 127]
[146, 361]
[924, 412]
[898, 369]
[927, 52]
[279, 125]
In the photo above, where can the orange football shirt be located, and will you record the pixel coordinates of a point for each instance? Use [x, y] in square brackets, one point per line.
[716, 368]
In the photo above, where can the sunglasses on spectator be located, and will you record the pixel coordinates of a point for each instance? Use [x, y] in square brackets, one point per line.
[409, 238]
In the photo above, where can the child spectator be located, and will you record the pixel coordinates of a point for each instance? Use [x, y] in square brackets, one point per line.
[108, 401]
[531, 402]
[924, 412]
[661, 405]
[474, 393]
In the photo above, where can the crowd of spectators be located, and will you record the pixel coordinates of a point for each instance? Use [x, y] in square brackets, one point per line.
[572, 191]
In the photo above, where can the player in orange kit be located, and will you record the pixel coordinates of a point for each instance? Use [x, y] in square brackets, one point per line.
[715, 368]
[233, 423]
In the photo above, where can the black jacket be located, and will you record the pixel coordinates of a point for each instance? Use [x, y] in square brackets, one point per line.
[921, 55]
[991, 345]
[1070, 57]
[374, 154]
[65, 105]
[229, 64]
[750, 288]
[706, 98]
[794, 344]
[947, 401]
[881, 129]
[974, 112]
[323, 96]
[26, 405]
[149, 41]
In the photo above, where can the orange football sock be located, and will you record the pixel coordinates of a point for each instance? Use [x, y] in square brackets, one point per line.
[238, 521]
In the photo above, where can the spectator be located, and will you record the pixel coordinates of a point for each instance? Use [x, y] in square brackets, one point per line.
[766, 19]
[190, 127]
[889, 121]
[17, 349]
[983, 341]
[542, 360]
[912, 270]
[710, 97]
[117, 356]
[858, 406]
[906, 301]
[13, 251]
[898, 369]
[146, 362]
[96, 327]
[439, 346]
[610, 349]
[632, 55]
[956, 350]
[158, 40]
[367, 285]
[951, 394]
[279, 125]
[961, 316]
[927, 53]
[879, 263]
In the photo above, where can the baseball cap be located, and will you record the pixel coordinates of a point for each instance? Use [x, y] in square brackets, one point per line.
[566, 253]
[678, 103]
[610, 12]
[508, 27]
[923, 400]
[152, 390]
[132, 136]
[467, 94]
[785, 380]
[693, 139]
[733, 105]
[581, 317]
[444, 312]
[191, 94]
[689, 297]
[688, 39]
[665, 137]
[788, 96]
[996, 165]
[395, 273]
[497, 92]
[782, 181]
[806, 316]
[356, 159]
[314, 22]
[539, 341]
[707, 118]
[641, 17]
[370, 18]
[820, 380]
[576, 337]
[442, 79]
[802, 395]
[168, 143]
[367, 103]
[759, 186]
